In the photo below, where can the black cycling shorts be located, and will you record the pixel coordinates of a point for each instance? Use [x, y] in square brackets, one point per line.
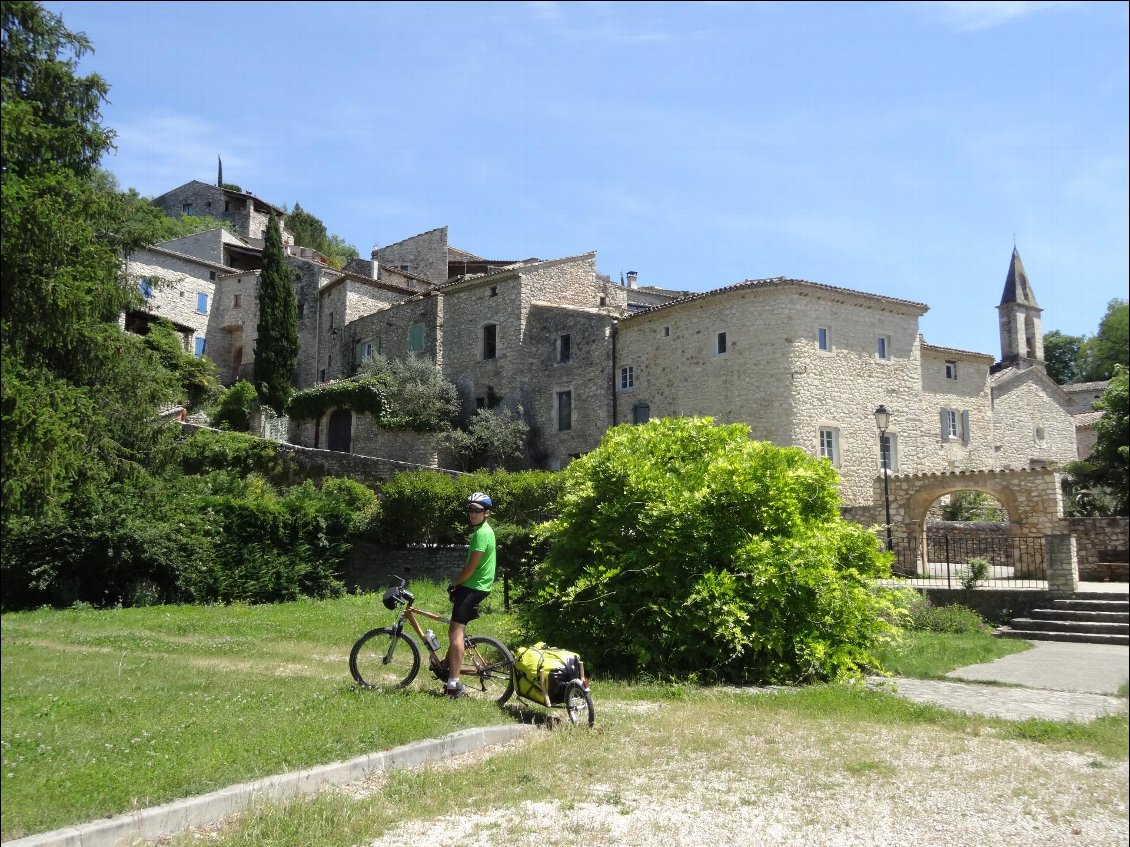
[465, 604]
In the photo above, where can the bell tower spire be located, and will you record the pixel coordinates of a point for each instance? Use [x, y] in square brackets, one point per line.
[1021, 330]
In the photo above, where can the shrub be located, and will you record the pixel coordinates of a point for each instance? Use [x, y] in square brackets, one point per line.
[924, 616]
[234, 407]
[235, 452]
[686, 548]
[125, 545]
[272, 549]
[976, 569]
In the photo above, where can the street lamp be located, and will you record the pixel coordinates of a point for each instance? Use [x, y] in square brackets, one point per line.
[883, 420]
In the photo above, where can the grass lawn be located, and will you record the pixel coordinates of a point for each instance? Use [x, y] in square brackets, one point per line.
[110, 711]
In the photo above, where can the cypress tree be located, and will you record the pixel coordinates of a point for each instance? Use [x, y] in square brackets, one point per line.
[276, 340]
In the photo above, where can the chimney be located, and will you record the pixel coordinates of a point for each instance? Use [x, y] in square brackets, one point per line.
[632, 277]
[374, 265]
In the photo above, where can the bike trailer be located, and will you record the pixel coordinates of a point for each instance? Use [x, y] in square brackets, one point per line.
[541, 673]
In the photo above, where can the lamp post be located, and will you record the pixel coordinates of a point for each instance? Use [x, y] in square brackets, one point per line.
[883, 420]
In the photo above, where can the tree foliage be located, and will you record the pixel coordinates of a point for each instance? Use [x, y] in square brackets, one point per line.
[1073, 358]
[1100, 483]
[309, 231]
[685, 548]
[493, 439]
[419, 397]
[1061, 356]
[276, 340]
[78, 394]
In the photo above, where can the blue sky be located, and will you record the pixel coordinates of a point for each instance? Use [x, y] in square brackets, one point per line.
[895, 148]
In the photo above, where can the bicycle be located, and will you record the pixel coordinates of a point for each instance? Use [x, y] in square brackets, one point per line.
[389, 657]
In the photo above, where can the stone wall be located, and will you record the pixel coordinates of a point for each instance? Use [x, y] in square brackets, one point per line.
[176, 283]
[389, 330]
[423, 255]
[772, 375]
[586, 375]
[1093, 536]
[1032, 426]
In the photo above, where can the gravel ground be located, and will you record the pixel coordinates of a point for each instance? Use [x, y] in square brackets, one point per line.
[898, 787]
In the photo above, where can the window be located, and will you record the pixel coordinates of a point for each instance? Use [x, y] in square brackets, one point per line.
[227, 206]
[301, 310]
[493, 291]
[720, 344]
[641, 413]
[490, 341]
[951, 370]
[955, 425]
[145, 287]
[564, 410]
[186, 209]
[200, 345]
[883, 347]
[888, 460]
[212, 276]
[564, 348]
[830, 445]
[366, 349]
[416, 338]
[603, 300]
[406, 268]
[627, 378]
[236, 301]
[824, 339]
[322, 375]
[666, 332]
[202, 302]
[331, 320]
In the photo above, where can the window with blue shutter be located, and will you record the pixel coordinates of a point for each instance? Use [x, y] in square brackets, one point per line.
[202, 302]
[145, 287]
[200, 345]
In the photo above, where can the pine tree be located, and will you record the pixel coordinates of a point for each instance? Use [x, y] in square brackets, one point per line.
[276, 340]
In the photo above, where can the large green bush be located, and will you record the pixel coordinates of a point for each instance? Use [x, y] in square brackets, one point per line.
[124, 545]
[686, 549]
[207, 450]
[271, 548]
[426, 507]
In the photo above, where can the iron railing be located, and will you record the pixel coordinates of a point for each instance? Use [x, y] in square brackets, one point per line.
[942, 560]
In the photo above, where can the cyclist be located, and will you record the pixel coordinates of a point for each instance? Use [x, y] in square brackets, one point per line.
[471, 586]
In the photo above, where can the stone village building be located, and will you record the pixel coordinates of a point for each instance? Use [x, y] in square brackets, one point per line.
[802, 363]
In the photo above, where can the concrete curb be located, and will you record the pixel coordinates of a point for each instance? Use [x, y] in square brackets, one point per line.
[170, 818]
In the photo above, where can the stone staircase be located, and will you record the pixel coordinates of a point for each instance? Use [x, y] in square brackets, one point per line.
[1090, 617]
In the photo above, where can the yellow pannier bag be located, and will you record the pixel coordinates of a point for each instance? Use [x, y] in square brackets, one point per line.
[540, 672]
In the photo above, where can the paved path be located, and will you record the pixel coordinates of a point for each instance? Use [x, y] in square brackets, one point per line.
[1058, 681]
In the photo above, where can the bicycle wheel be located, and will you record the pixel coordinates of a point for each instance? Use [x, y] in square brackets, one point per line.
[578, 703]
[383, 657]
[486, 669]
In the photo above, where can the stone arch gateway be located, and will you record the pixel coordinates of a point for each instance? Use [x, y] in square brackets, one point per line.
[1032, 497]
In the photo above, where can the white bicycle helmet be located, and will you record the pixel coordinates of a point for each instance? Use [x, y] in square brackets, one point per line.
[481, 500]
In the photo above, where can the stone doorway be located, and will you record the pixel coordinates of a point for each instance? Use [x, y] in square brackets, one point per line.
[340, 431]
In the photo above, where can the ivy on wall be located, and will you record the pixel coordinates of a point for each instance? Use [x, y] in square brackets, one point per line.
[361, 394]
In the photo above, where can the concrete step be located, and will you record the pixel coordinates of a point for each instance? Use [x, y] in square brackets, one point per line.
[1077, 637]
[1090, 605]
[1070, 615]
[1110, 628]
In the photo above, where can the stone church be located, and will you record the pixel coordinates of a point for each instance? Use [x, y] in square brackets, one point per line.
[802, 363]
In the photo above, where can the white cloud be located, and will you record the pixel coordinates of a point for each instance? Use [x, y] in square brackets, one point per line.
[973, 15]
[158, 151]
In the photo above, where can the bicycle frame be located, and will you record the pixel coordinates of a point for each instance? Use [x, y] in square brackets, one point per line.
[409, 614]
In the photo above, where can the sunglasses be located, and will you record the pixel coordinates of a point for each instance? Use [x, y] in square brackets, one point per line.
[475, 509]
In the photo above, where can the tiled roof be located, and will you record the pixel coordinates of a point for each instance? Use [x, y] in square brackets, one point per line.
[954, 350]
[775, 282]
[1073, 387]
